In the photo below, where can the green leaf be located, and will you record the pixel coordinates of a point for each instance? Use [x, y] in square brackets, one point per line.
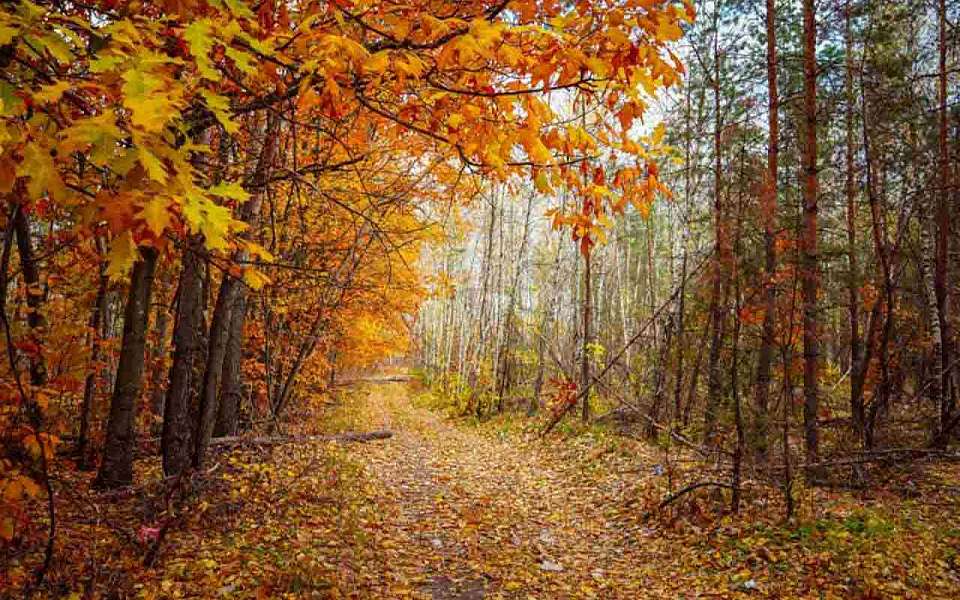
[240, 9]
[57, 47]
[243, 60]
[231, 190]
[10, 103]
[210, 219]
[220, 106]
[106, 63]
[152, 164]
[7, 33]
[199, 35]
[100, 132]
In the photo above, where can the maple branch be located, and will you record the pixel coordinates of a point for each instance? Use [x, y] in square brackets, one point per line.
[521, 92]
[392, 43]
[311, 169]
[456, 146]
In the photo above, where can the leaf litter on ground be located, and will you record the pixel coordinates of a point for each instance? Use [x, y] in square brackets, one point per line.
[447, 510]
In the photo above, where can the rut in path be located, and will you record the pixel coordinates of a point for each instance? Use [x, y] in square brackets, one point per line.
[469, 514]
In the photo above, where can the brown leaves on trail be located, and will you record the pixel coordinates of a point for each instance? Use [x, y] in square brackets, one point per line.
[444, 511]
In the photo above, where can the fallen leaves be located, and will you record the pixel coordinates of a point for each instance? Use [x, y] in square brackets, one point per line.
[443, 510]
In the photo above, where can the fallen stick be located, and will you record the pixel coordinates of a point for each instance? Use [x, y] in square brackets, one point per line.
[350, 436]
[684, 491]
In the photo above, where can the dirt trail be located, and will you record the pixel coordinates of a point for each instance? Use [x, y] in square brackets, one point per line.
[467, 515]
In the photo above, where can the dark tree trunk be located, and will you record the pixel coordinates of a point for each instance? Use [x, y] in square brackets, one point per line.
[809, 268]
[90, 383]
[213, 373]
[30, 269]
[681, 300]
[157, 351]
[226, 298]
[116, 469]
[721, 257]
[232, 381]
[187, 365]
[769, 214]
[853, 278]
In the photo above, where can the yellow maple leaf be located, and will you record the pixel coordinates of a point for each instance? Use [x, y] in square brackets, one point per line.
[156, 215]
[52, 92]
[152, 164]
[151, 106]
[377, 63]
[254, 278]
[123, 253]
[38, 165]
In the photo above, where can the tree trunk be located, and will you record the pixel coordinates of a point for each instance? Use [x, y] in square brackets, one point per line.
[508, 338]
[928, 274]
[721, 258]
[30, 269]
[585, 349]
[116, 469]
[186, 367]
[681, 301]
[853, 278]
[157, 351]
[769, 214]
[230, 396]
[90, 383]
[229, 289]
[941, 283]
[659, 378]
[737, 409]
[809, 267]
[213, 373]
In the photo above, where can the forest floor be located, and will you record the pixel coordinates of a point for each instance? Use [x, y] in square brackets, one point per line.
[450, 510]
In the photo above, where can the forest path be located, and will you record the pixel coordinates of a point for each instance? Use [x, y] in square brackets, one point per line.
[466, 513]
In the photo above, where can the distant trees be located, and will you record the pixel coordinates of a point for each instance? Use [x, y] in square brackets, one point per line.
[809, 234]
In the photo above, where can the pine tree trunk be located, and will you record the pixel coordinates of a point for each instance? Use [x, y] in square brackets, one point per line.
[116, 469]
[941, 283]
[721, 257]
[853, 278]
[769, 214]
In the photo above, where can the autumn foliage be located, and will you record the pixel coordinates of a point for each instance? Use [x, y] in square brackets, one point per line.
[210, 207]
